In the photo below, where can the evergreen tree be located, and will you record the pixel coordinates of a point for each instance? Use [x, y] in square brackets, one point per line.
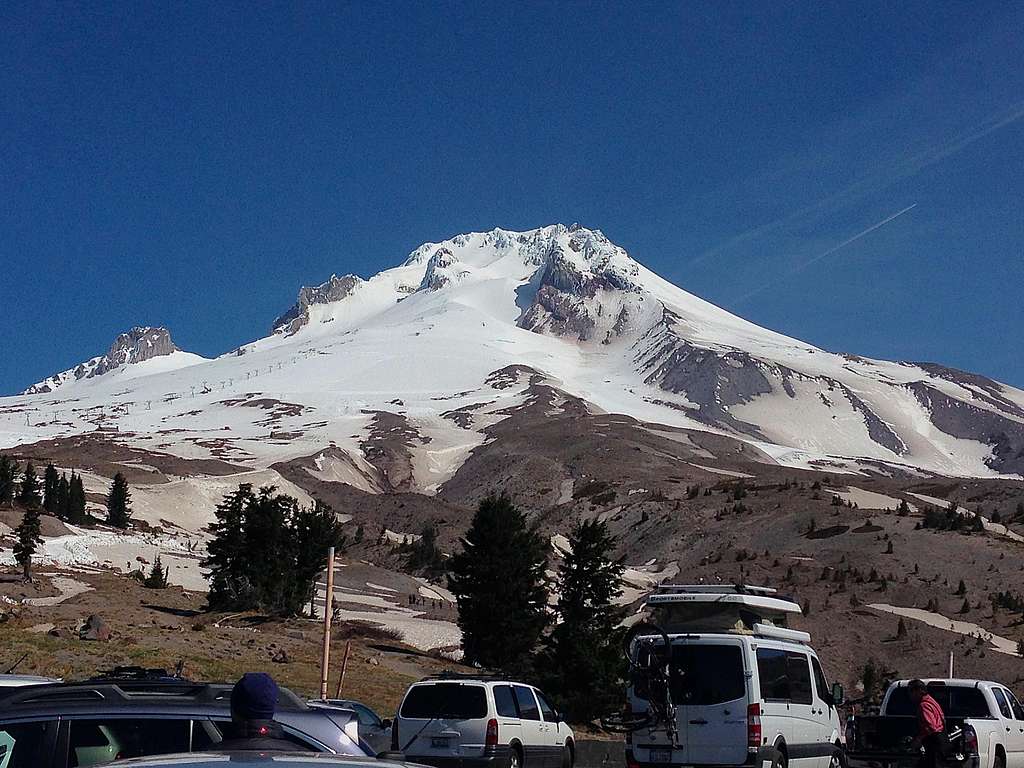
[582, 660]
[8, 480]
[267, 552]
[50, 482]
[423, 554]
[229, 581]
[76, 500]
[29, 537]
[903, 509]
[29, 492]
[157, 577]
[498, 582]
[63, 496]
[119, 510]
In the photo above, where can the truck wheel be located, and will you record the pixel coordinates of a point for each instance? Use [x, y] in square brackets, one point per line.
[1000, 762]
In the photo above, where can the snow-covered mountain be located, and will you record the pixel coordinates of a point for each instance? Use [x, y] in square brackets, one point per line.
[134, 346]
[425, 339]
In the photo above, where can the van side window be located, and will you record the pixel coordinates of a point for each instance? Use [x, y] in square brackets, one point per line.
[504, 701]
[820, 683]
[546, 709]
[1004, 705]
[527, 704]
[24, 745]
[773, 674]
[799, 673]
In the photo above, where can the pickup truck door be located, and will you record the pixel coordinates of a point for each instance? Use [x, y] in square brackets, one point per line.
[1013, 728]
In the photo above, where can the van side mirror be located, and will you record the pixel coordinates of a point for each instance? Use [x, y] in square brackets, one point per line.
[385, 723]
[838, 695]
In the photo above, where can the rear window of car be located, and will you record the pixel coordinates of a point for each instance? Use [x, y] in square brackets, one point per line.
[707, 674]
[452, 701]
[955, 701]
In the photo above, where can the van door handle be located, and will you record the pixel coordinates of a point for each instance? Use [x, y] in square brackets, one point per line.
[698, 722]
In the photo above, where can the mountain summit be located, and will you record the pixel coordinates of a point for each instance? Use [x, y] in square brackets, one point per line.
[427, 338]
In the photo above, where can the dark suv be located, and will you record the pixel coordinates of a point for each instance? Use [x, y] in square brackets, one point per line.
[74, 725]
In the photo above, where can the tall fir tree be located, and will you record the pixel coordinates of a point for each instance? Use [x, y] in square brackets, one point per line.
[583, 661]
[28, 533]
[28, 494]
[63, 496]
[119, 500]
[226, 557]
[157, 576]
[50, 482]
[76, 500]
[498, 581]
[8, 480]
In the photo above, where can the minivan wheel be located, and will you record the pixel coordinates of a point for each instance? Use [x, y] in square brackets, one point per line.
[515, 760]
[566, 757]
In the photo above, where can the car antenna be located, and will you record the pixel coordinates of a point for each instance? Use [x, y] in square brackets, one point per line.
[14, 666]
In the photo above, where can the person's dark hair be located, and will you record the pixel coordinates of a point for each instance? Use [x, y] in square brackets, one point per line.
[917, 686]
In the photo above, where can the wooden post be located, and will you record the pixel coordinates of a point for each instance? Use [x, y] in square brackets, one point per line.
[344, 668]
[325, 658]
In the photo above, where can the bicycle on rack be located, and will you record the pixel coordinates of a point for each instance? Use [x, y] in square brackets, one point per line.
[651, 669]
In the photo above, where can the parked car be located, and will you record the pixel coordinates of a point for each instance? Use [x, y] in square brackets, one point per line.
[718, 679]
[373, 729]
[69, 725]
[479, 722]
[17, 681]
[990, 719]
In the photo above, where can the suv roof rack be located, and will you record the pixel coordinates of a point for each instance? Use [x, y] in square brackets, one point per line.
[447, 675]
[133, 690]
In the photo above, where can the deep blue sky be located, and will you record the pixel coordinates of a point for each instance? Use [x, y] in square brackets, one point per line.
[193, 164]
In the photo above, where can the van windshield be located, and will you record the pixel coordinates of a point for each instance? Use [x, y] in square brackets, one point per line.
[449, 701]
[707, 674]
[956, 701]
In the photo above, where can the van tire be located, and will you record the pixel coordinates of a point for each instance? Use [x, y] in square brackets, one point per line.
[780, 761]
[567, 755]
[515, 757]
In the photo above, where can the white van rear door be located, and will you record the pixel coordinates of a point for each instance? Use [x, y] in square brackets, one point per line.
[444, 719]
[711, 697]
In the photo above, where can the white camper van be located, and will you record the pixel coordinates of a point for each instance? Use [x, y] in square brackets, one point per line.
[718, 679]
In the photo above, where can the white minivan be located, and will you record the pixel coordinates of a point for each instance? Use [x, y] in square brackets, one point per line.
[480, 722]
[736, 688]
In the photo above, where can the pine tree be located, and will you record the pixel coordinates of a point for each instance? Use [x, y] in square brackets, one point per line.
[8, 480]
[423, 554]
[76, 500]
[28, 495]
[903, 509]
[63, 496]
[29, 538]
[582, 659]
[498, 582]
[119, 510]
[1020, 647]
[157, 577]
[50, 482]
[901, 629]
[229, 580]
[962, 589]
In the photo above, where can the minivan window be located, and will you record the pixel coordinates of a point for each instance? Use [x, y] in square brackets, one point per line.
[773, 674]
[504, 701]
[955, 701]
[527, 704]
[452, 701]
[707, 674]
[546, 709]
[799, 674]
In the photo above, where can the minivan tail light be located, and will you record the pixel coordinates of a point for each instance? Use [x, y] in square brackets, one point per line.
[631, 761]
[492, 733]
[394, 735]
[754, 726]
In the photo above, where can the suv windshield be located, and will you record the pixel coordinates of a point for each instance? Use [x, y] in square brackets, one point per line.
[956, 701]
[453, 701]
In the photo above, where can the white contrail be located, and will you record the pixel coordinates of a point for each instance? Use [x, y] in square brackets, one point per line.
[858, 236]
[827, 253]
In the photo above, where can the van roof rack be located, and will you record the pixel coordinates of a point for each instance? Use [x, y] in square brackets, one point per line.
[724, 608]
[449, 675]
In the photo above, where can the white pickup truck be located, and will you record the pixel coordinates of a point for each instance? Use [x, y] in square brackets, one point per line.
[991, 718]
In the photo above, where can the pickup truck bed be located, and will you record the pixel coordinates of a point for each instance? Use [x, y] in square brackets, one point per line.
[885, 739]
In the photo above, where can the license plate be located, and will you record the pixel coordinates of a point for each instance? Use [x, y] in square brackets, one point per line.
[661, 755]
[439, 742]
